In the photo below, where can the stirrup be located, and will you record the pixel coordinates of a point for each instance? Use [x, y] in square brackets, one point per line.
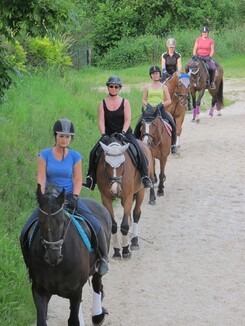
[89, 183]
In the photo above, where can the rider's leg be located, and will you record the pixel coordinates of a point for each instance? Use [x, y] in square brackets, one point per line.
[24, 242]
[137, 128]
[167, 116]
[91, 175]
[212, 76]
[85, 212]
[143, 164]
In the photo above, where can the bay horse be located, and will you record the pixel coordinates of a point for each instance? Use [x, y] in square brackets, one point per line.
[179, 92]
[199, 80]
[118, 177]
[154, 132]
[59, 259]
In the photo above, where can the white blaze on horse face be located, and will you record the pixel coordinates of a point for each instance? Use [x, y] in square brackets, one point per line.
[147, 131]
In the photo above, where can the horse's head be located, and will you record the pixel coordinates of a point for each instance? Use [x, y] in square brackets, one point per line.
[52, 223]
[182, 90]
[148, 125]
[114, 165]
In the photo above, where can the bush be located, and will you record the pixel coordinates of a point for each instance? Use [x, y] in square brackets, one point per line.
[44, 52]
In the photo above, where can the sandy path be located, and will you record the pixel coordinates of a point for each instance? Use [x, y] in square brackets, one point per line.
[194, 272]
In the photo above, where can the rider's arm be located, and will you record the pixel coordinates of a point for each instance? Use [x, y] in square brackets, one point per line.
[179, 65]
[101, 118]
[163, 63]
[41, 173]
[195, 48]
[77, 178]
[212, 50]
[166, 96]
[127, 115]
[145, 96]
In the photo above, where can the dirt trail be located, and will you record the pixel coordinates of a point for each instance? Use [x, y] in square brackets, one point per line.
[193, 273]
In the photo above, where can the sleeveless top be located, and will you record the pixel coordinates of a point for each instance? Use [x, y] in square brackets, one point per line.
[171, 62]
[114, 120]
[204, 46]
[155, 96]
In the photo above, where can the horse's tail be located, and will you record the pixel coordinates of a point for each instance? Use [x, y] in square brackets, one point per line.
[220, 93]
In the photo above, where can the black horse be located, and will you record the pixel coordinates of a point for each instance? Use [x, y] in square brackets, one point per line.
[60, 260]
[199, 81]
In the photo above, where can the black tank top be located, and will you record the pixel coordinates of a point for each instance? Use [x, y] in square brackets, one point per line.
[114, 120]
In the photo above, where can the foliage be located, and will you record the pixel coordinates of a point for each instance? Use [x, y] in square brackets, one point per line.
[44, 52]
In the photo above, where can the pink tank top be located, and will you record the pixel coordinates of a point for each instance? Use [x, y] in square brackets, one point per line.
[204, 46]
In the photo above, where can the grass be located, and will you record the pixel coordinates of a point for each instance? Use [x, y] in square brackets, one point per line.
[26, 121]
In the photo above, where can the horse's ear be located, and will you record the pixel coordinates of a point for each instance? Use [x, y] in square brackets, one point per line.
[61, 197]
[142, 109]
[39, 194]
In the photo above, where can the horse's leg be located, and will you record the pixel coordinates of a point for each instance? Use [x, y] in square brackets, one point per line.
[193, 95]
[75, 302]
[41, 303]
[136, 216]
[200, 95]
[98, 312]
[127, 204]
[114, 238]
[152, 197]
[162, 177]
[213, 102]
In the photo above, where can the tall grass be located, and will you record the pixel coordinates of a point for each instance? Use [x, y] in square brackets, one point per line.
[26, 121]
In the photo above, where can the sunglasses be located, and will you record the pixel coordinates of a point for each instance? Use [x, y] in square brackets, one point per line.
[114, 86]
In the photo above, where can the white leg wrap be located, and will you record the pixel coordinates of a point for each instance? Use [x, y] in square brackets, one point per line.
[80, 315]
[135, 230]
[115, 243]
[97, 308]
[125, 240]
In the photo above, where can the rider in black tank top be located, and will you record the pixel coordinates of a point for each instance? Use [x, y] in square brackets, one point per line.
[114, 122]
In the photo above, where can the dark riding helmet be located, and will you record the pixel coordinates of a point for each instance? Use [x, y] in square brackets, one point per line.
[153, 69]
[205, 29]
[115, 80]
[64, 126]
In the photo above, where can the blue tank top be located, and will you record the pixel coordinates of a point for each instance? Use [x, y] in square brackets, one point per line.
[60, 173]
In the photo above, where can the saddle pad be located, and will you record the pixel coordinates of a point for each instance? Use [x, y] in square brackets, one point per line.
[168, 127]
[75, 219]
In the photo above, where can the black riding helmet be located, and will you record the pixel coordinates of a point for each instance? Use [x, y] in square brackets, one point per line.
[114, 80]
[64, 126]
[153, 69]
[205, 29]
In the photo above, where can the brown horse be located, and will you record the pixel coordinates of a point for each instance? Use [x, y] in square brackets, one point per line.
[154, 133]
[179, 92]
[118, 177]
[199, 81]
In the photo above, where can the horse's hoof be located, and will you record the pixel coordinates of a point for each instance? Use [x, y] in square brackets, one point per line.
[160, 193]
[152, 202]
[127, 256]
[219, 114]
[99, 319]
[134, 244]
[117, 254]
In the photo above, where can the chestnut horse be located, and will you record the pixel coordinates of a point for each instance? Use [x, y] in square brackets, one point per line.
[118, 177]
[199, 81]
[60, 259]
[179, 92]
[155, 133]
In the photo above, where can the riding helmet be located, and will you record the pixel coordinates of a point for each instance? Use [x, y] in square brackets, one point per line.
[64, 126]
[153, 69]
[171, 43]
[205, 29]
[115, 80]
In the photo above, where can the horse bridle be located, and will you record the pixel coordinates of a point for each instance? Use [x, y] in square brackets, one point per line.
[115, 178]
[182, 98]
[151, 141]
[55, 245]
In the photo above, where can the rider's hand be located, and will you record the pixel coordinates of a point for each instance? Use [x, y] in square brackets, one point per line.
[104, 138]
[73, 201]
[122, 136]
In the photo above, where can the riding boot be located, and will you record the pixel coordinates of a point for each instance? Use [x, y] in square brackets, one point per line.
[212, 76]
[103, 250]
[145, 179]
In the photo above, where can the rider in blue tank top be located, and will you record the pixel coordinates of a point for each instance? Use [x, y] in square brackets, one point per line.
[62, 167]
